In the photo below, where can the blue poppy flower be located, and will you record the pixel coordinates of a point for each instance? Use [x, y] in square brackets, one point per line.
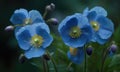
[76, 55]
[102, 26]
[34, 39]
[23, 17]
[75, 30]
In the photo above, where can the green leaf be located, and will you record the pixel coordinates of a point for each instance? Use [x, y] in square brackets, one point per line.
[115, 63]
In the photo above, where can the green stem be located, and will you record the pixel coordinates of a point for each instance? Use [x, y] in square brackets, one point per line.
[69, 66]
[85, 66]
[45, 14]
[45, 65]
[104, 58]
[53, 61]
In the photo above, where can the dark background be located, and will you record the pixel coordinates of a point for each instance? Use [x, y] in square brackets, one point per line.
[9, 49]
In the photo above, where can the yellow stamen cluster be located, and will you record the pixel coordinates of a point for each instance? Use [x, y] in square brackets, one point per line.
[75, 32]
[27, 21]
[36, 41]
[95, 25]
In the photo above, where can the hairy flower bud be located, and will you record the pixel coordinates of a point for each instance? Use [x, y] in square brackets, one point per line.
[89, 50]
[22, 58]
[50, 7]
[9, 28]
[113, 48]
[53, 21]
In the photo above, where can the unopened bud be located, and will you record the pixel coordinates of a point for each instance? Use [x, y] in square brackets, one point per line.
[50, 7]
[53, 21]
[113, 48]
[9, 28]
[89, 50]
[22, 58]
[46, 57]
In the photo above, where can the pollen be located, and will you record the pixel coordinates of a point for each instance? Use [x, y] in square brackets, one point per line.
[73, 51]
[36, 41]
[75, 32]
[27, 21]
[95, 25]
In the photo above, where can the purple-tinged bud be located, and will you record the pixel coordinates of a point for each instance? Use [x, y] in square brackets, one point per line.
[46, 57]
[113, 48]
[54, 21]
[89, 50]
[9, 28]
[22, 58]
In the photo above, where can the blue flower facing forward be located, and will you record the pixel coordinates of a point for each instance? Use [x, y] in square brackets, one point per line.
[34, 39]
[102, 26]
[22, 17]
[76, 55]
[75, 30]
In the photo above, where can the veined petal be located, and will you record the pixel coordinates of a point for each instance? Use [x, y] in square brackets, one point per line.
[23, 11]
[18, 18]
[99, 10]
[23, 36]
[34, 52]
[69, 21]
[92, 15]
[47, 38]
[35, 16]
[106, 27]
[101, 41]
[104, 34]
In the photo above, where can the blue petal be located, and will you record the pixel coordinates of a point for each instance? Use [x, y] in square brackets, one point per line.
[92, 15]
[46, 36]
[65, 27]
[99, 10]
[86, 11]
[87, 32]
[64, 31]
[77, 42]
[35, 16]
[34, 52]
[19, 16]
[23, 11]
[78, 59]
[101, 41]
[104, 34]
[23, 36]
[106, 27]
[69, 21]
[42, 25]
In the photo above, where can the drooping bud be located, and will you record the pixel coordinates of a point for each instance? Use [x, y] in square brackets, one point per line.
[50, 7]
[46, 57]
[89, 50]
[22, 58]
[53, 21]
[113, 48]
[9, 28]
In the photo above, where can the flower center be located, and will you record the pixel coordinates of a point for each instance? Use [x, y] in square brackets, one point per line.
[75, 32]
[95, 25]
[36, 41]
[73, 51]
[27, 21]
